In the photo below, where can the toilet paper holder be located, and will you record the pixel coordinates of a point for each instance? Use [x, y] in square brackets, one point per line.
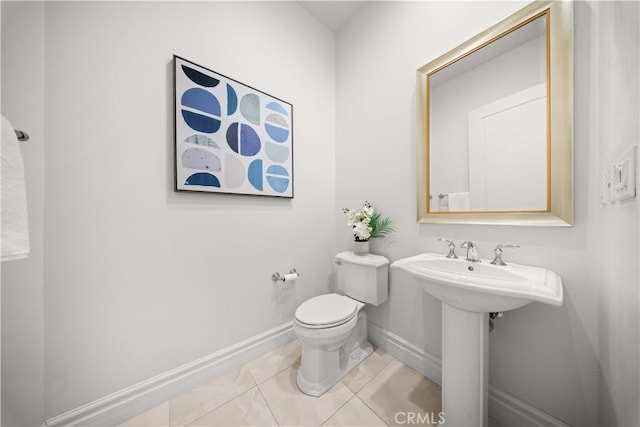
[277, 277]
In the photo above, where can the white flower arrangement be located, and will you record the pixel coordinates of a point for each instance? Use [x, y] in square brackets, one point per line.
[366, 223]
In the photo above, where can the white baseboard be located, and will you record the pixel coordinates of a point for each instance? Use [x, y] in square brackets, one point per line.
[120, 406]
[417, 358]
[506, 409]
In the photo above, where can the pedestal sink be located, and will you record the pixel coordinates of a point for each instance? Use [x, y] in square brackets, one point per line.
[469, 291]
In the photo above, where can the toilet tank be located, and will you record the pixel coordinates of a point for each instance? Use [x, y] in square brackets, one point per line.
[363, 277]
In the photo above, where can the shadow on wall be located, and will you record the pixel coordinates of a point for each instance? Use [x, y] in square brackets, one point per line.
[524, 359]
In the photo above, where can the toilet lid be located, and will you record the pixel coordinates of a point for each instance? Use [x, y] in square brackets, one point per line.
[326, 310]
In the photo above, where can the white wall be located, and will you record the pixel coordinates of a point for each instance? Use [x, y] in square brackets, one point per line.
[618, 101]
[22, 280]
[547, 356]
[140, 279]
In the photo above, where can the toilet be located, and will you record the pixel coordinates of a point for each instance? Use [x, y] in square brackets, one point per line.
[333, 327]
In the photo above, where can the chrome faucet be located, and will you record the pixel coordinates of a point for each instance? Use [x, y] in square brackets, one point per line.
[497, 259]
[452, 248]
[472, 251]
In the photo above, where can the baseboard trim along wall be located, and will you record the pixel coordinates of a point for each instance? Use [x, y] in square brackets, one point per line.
[418, 359]
[503, 407]
[124, 404]
[120, 406]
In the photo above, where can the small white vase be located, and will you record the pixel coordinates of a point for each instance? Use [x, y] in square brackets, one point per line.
[361, 247]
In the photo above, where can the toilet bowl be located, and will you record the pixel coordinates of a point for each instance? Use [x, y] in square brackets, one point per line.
[333, 328]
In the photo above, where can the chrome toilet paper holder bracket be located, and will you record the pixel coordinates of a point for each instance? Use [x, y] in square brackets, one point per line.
[277, 277]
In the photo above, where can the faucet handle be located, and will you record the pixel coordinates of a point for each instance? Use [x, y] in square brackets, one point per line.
[452, 248]
[510, 245]
[497, 259]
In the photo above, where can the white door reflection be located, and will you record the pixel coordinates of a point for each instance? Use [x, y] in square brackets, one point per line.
[508, 153]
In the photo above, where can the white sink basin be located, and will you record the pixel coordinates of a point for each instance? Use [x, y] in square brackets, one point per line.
[482, 287]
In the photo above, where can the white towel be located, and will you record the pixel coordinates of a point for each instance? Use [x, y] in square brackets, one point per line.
[15, 220]
[444, 203]
[459, 202]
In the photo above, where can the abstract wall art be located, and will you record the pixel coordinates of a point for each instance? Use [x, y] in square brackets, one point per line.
[230, 137]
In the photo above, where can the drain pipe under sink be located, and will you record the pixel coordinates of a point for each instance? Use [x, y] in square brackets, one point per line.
[492, 316]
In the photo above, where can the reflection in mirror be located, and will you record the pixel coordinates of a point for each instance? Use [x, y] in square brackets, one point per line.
[488, 134]
[496, 115]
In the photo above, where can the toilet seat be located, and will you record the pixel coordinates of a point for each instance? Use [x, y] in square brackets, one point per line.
[326, 311]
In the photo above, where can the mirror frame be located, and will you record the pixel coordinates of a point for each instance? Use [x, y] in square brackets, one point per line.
[560, 81]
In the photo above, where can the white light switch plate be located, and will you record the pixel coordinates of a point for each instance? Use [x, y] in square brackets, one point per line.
[624, 175]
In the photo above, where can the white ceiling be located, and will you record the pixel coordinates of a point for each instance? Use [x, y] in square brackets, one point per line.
[334, 14]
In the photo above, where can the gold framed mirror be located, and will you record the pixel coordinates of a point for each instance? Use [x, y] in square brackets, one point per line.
[495, 119]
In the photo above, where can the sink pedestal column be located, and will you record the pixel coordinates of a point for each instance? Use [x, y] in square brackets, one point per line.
[465, 367]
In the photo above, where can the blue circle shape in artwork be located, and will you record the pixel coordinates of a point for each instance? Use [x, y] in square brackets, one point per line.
[199, 158]
[274, 106]
[232, 100]
[232, 136]
[203, 179]
[201, 140]
[255, 174]
[276, 153]
[249, 141]
[278, 178]
[202, 105]
[243, 139]
[276, 133]
[201, 123]
[250, 108]
[202, 100]
[277, 127]
[200, 78]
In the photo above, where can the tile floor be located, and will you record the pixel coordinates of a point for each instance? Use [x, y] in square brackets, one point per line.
[264, 393]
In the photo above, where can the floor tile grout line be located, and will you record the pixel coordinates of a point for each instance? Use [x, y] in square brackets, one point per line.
[219, 405]
[268, 378]
[268, 406]
[341, 406]
[355, 394]
[279, 372]
[373, 377]
[262, 382]
[216, 408]
[372, 410]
